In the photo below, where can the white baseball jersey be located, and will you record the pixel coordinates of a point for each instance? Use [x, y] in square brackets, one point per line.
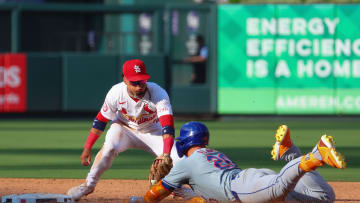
[140, 115]
[135, 125]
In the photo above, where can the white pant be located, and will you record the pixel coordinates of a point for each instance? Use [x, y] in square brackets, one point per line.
[263, 185]
[118, 139]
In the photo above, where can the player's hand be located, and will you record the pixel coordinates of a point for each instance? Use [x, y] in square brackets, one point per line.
[86, 157]
[160, 160]
[160, 168]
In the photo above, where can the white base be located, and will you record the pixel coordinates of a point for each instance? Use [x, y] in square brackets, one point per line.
[36, 198]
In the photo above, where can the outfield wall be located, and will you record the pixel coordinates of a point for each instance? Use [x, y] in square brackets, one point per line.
[289, 59]
[75, 52]
[64, 82]
[263, 59]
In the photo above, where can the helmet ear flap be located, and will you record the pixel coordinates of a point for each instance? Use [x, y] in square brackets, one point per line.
[206, 139]
[179, 148]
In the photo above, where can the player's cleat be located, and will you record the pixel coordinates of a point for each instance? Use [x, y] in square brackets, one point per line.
[283, 142]
[329, 155]
[79, 191]
[325, 148]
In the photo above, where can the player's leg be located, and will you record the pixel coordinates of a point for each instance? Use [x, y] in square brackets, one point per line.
[261, 185]
[116, 141]
[312, 186]
[258, 185]
[284, 148]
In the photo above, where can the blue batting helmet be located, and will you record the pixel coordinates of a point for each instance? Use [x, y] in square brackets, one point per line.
[191, 134]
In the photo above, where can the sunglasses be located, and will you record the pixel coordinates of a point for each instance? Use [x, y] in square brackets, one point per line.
[136, 83]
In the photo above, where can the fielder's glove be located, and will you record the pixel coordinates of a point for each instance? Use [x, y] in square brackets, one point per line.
[160, 168]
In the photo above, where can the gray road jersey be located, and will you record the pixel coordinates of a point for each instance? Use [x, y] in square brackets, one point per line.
[207, 171]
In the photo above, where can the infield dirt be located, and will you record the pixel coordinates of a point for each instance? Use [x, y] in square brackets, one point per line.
[111, 191]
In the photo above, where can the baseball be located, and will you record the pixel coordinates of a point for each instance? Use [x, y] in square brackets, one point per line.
[152, 182]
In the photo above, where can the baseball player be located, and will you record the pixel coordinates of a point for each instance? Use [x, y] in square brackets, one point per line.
[216, 177]
[141, 117]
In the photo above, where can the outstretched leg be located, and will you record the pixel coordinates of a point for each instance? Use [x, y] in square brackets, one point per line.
[284, 148]
[260, 185]
[312, 186]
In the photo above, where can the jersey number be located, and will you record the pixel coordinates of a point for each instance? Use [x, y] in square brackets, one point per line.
[220, 161]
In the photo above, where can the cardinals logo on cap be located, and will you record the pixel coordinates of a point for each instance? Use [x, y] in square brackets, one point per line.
[137, 69]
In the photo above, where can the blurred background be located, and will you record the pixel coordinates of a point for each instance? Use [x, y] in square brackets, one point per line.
[256, 57]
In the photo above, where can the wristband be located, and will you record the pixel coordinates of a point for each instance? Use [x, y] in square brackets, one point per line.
[97, 124]
[91, 140]
[168, 130]
[168, 144]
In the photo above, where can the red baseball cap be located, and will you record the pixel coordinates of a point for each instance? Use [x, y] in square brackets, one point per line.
[135, 70]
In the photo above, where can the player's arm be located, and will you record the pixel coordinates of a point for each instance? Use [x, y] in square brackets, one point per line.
[161, 190]
[168, 132]
[107, 112]
[165, 116]
[163, 163]
[157, 192]
[96, 130]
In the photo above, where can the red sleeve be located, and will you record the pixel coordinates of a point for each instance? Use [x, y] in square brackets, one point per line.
[97, 125]
[91, 140]
[166, 120]
[101, 118]
[168, 144]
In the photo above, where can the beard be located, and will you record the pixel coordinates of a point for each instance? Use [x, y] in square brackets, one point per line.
[137, 95]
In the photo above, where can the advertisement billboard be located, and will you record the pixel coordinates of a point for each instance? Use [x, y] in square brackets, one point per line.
[288, 59]
[13, 82]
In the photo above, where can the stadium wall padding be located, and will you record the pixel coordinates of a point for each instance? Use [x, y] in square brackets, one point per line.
[79, 82]
[44, 84]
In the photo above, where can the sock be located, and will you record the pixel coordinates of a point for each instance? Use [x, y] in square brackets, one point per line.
[309, 162]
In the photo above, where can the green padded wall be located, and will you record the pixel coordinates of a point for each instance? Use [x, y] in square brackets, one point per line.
[86, 80]
[44, 82]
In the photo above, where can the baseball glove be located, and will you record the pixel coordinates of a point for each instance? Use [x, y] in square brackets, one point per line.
[160, 168]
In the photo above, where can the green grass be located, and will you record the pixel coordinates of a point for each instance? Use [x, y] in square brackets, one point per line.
[50, 148]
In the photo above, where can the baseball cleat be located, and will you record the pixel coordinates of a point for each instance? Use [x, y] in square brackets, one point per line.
[79, 191]
[283, 142]
[329, 155]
